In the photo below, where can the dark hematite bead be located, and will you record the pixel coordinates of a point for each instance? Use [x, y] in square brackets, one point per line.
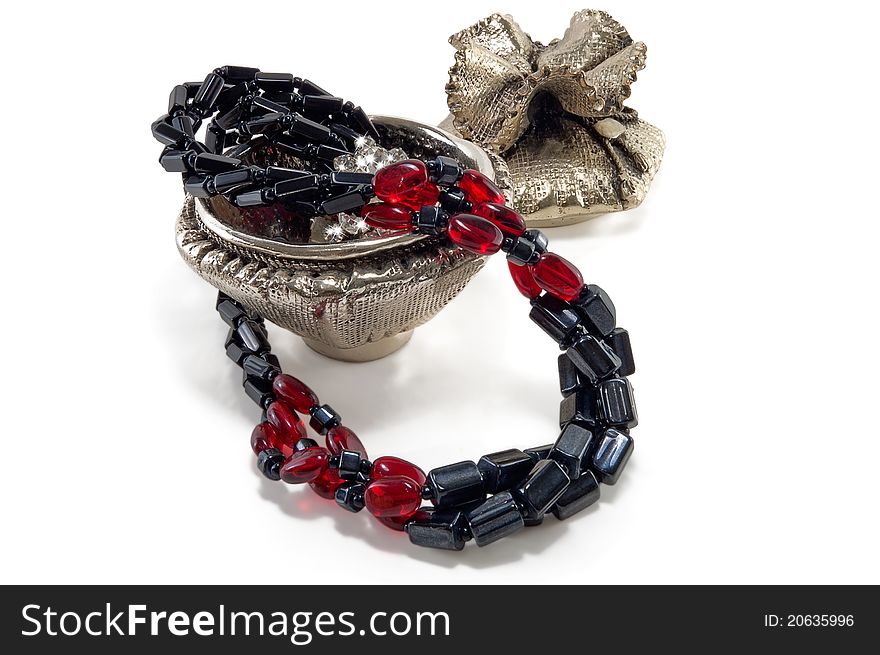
[237, 73]
[208, 92]
[350, 496]
[617, 406]
[271, 359]
[282, 82]
[309, 88]
[455, 484]
[185, 124]
[431, 528]
[253, 198]
[556, 318]
[230, 313]
[329, 153]
[454, 201]
[304, 444]
[343, 203]
[349, 464]
[196, 186]
[269, 463]
[532, 521]
[229, 119]
[167, 134]
[545, 484]
[582, 406]
[260, 391]
[521, 251]
[538, 453]
[177, 99]
[597, 310]
[580, 494]
[252, 336]
[176, 161]
[612, 455]
[345, 133]
[495, 519]
[215, 139]
[504, 470]
[569, 380]
[211, 163]
[236, 352]
[431, 220]
[227, 181]
[278, 173]
[296, 185]
[309, 128]
[323, 418]
[351, 178]
[259, 367]
[321, 104]
[618, 341]
[445, 171]
[362, 122]
[593, 358]
[573, 449]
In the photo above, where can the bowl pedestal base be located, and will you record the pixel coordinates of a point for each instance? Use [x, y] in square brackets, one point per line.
[366, 353]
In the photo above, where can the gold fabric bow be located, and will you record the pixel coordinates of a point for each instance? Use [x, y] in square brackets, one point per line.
[555, 114]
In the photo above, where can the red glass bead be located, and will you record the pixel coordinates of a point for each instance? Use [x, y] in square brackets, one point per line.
[479, 188]
[388, 217]
[341, 438]
[395, 522]
[326, 484]
[558, 276]
[385, 467]
[394, 182]
[524, 280]
[264, 436]
[393, 496]
[295, 393]
[475, 234]
[426, 194]
[305, 465]
[504, 218]
[288, 427]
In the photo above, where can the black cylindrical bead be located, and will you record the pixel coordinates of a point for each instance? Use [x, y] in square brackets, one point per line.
[556, 318]
[539, 239]
[177, 161]
[269, 463]
[309, 88]
[230, 312]
[612, 455]
[522, 251]
[617, 405]
[360, 121]
[254, 198]
[581, 407]
[618, 341]
[230, 118]
[580, 494]
[259, 367]
[345, 202]
[270, 106]
[569, 380]
[443, 529]
[321, 105]
[279, 173]
[350, 496]
[261, 124]
[324, 417]
[538, 452]
[495, 519]
[297, 185]
[545, 484]
[431, 220]
[309, 128]
[224, 182]
[593, 358]
[177, 99]
[211, 163]
[215, 139]
[234, 74]
[573, 449]
[348, 179]
[237, 352]
[345, 133]
[597, 310]
[206, 96]
[252, 336]
[197, 186]
[455, 484]
[260, 391]
[185, 124]
[504, 470]
[282, 82]
[167, 134]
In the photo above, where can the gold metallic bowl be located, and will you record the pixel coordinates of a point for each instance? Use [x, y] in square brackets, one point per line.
[355, 300]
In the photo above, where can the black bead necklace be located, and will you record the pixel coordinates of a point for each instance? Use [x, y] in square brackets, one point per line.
[486, 500]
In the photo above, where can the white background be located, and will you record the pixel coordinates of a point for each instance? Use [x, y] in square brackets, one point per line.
[748, 281]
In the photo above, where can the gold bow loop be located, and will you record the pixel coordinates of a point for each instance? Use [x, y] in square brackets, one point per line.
[499, 69]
